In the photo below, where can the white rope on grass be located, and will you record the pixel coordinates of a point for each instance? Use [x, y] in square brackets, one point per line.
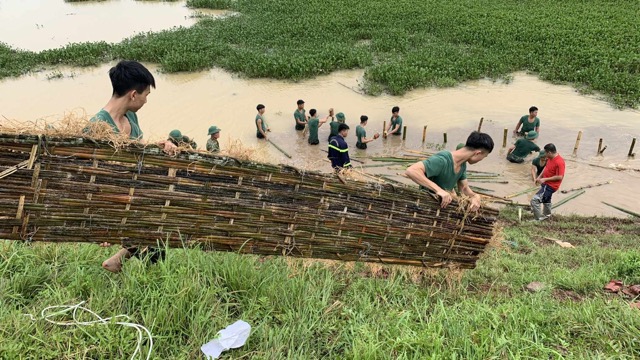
[46, 314]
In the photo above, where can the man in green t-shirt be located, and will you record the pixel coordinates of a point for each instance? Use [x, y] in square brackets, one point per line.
[537, 165]
[212, 144]
[335, 124]
[361, 133]
[261, 125]
[395, 125]
[441, 172]
[313, 124]
[529, 122]
[300, 116]
[522, 148]
[131, 83]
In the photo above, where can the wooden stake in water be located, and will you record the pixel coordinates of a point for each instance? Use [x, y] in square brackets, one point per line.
[575, 148]
[480, 125]
[404, 133]
[384, 129]
[424, 134]
[445, 138]
[600, 147]
[633, 144]
[504, 137]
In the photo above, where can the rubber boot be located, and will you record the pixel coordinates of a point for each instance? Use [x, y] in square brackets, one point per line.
[546, 210]
[536, 208]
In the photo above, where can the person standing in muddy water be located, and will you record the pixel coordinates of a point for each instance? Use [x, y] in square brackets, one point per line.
[361, 133]
[523, 147]
[395, 123]
[441, 172]
[549, 181]
[334, 125]
[300, 116]
[313, 125]
[131, 83]
[537, 165]
[261, 125]
[528, 123]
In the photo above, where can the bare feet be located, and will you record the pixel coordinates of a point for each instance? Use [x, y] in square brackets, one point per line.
[114, 263]
[105, 244]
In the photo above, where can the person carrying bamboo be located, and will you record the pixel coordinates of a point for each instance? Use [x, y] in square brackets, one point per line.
[537, 165]
[339, 150]
[300, 116]
[441, 172]
[529, 122]
[334, 125]
[212, 143]
[131, 83]
[522, 148]
[361, 133]
[261, 125]
[395, 123]
[313, 125]
[550, 181]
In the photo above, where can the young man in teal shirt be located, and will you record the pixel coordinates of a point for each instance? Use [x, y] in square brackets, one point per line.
[300, 116]
[529, 122]
[441, 172]
[395, 123]
[361, 133]
[523, 147]
[131, 83]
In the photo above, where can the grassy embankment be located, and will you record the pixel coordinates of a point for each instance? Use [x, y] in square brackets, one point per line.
[312, 311]
[401, 44]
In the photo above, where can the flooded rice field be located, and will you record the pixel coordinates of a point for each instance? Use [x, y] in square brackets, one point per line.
[192, 102]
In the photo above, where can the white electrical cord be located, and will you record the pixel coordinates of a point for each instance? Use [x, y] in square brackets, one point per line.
[46, 315]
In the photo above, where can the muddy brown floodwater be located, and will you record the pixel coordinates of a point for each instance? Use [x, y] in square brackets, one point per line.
[194, 101]
[44, 24]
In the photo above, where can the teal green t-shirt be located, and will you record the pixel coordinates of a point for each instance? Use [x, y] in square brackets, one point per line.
[527, 126]
[264, 125]
[313, 125]
[439, 169]
[523, 148]
[136, 132]
[300, 115]
[360, 133]
[394, 122]
[334, 128]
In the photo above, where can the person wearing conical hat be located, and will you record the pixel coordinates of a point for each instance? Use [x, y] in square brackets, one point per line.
[212, 144]
[523, 147]
[334, 125]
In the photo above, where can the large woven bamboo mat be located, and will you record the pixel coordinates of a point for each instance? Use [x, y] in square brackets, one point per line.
[82, 190]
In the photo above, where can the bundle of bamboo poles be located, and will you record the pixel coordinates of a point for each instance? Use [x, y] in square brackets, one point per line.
[81, 190]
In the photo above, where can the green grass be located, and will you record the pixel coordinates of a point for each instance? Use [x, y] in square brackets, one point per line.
[308, 310]
[402, 44]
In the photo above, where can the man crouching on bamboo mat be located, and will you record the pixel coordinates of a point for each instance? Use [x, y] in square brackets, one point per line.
[132, 83]
[441, 172]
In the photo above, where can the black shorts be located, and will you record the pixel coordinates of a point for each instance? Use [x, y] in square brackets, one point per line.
[314, 142]
[260, 136]
[361, 146]
[299, 127]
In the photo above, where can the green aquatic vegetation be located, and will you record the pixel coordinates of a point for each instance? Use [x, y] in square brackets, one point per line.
[401, 45]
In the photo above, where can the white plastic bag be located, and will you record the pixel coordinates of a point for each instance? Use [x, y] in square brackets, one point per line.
[231, 337]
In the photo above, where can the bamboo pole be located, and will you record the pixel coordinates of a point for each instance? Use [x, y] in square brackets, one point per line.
[504, 137]
[384, 129]
[445, 137]
[279, 148]
[480, 125]
[575, 148]
[522, 192]
[622, 209]
[586, 186]
[567, 199]
[404, 133]
[20, 210]
[424, 134]
[633, 144]
[600, 147]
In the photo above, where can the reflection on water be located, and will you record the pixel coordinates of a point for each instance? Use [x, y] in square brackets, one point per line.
[45, 24]
[192, 102]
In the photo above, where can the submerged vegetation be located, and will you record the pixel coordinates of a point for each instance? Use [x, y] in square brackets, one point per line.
[313, 310]
[401, 44]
